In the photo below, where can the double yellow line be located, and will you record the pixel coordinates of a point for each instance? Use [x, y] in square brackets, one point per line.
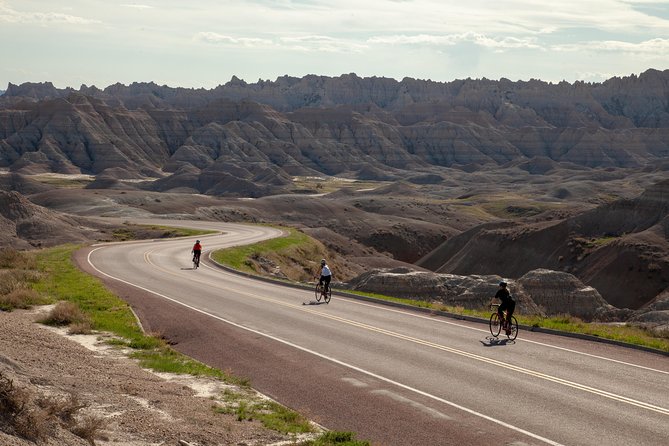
[540, 375]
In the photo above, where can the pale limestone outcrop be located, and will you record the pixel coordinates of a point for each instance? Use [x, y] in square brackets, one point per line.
[557, 292]
[539, 292]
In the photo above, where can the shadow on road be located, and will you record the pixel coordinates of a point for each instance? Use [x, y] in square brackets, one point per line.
[491, 341]
[313, 302]
[192, 268]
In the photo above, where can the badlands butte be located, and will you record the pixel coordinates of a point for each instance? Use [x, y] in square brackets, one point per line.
[419, 189]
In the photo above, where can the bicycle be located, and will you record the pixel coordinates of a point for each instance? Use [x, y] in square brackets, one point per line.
[326, 295]
[496, 326]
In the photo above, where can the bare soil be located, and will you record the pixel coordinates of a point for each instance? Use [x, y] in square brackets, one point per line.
[135, 407]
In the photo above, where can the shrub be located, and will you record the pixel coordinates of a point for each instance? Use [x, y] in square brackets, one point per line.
[18, 417]
[332, 438]
[89, 428]
[19, 298]
[65, 313]
[63, 408]
[84, 327]
[10, 258]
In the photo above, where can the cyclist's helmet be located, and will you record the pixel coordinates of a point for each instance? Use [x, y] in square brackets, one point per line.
[502, 283]
[322, 261]
[197, 241]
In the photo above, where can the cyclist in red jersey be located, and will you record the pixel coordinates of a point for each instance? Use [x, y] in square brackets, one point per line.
[197, 251]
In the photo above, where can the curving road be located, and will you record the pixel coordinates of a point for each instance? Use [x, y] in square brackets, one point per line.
[394, 376]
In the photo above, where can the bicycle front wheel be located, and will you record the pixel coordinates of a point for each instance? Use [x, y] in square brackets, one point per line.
[514, 329]
[495, 326]
[318, 291]
[328, 295]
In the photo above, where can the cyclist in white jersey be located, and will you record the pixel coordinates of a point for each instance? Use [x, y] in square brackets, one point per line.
[325, 275]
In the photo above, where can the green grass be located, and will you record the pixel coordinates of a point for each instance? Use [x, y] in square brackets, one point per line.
[63, 182]
[138, 232]
[167, 360]
[334, 438]
[570, 324]
[332, 184]
[62, 281]
[271, 414]
[239, 257]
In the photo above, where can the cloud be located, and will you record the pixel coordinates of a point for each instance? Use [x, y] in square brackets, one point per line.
[7, 14]
[306, 43]
[496, 43]
[136, 6]
[215, 38]
[321, 44]
[653, 46]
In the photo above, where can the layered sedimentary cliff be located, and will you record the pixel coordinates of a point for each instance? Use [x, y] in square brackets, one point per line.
[346, 125]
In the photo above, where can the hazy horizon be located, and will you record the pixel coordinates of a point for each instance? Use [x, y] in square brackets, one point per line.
[204, 43]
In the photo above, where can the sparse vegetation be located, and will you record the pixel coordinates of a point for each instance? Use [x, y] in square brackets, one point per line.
[142, 232]
[17, 274]
[64, 313]
[64, 181]
[34, 417]
[334, 438]
[331, 184]
[272, 415]
[294, 252]
[85, 298]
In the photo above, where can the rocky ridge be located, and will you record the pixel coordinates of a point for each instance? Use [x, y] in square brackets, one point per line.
[255, 136]
[24, 225]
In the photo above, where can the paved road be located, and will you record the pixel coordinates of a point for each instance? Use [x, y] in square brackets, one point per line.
[394, 376]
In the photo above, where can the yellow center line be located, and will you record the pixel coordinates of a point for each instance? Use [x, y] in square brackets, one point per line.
[423, 342]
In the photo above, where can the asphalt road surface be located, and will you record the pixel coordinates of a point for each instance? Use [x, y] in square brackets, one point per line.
[394, 376]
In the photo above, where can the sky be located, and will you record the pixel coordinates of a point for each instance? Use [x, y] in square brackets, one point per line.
[203, 43]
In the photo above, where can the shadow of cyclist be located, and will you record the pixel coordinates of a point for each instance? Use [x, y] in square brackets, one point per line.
[491, 341]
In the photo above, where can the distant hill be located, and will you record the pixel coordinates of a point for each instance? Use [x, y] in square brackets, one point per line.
[621, 248]
[256, 135]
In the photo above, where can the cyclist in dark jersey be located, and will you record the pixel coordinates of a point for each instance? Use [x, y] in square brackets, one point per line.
[507, 304]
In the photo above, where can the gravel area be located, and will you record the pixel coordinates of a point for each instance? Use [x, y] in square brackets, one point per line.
[134, 407]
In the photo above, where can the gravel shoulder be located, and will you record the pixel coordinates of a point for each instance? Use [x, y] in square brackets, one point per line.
[139, 407]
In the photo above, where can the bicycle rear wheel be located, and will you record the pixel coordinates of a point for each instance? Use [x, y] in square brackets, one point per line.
[328, 295]
[318, 291]
[495, 326]
[514, 329]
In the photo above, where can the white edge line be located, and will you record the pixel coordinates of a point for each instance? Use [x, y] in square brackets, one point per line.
[352, 300]
[336, 361]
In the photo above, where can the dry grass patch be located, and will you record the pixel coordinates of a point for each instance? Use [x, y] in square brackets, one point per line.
[89, 428]
[11, 258]
[36, 418]
[65, 313]
[20, 298]
[18, 416]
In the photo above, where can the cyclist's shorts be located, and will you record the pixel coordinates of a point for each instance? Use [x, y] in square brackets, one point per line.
[509, 305]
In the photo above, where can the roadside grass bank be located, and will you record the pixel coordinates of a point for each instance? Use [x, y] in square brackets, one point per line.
[84, 305]
[281, 251]
[142, 232]
[295, 255]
